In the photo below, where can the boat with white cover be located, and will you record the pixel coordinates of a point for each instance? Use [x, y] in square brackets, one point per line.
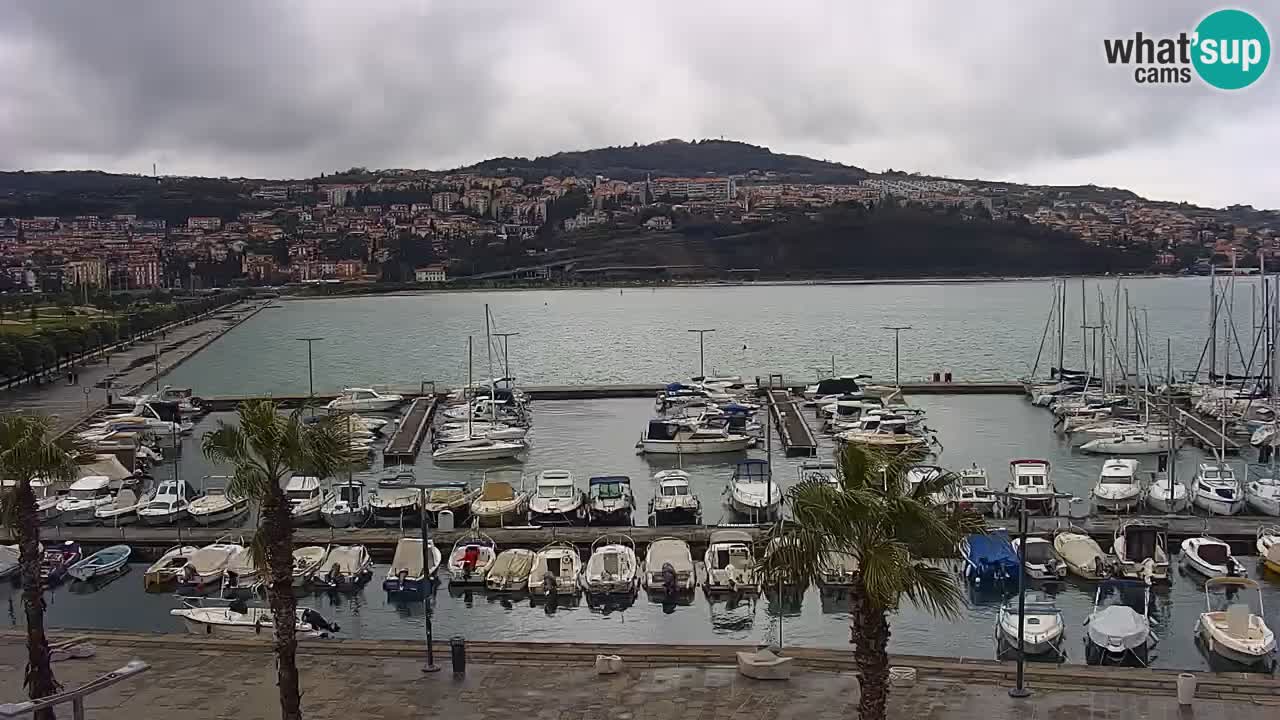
[1116, 633]
[499, 504]
[217, 505]
[107, 561]
[168, 505]
[730, 562]
[1040, 560]
[612, 568]
[752, 491]
[80, 505]
[679, 436]
[1082, 554]
[1031, 486]
[1210, 557]
[395, 501]
[1118, 489]
[510, 571]
[557, 500]
[205, 567]
[233, 621]
[974, 493]
[1042, 626]
[306, 499]
[1236, 633]
[407, 573]
[1141, 551]
[165, 572]
[348, 506]
[364, 400]
[673, 503]
[555, 570]
[1263, 495]
[668, 567]
[306, 562]
[1268, 545]
[242, 575]
[123, 509]
[471, 559]
[345, 567]
[1216, 489]
[455, 496]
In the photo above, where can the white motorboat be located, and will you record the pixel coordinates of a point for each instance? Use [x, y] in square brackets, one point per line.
[841, 385]
[974, 493]
[837, 571]
[1268, 545]
[884, 432]
[753, 492]
[307, 562]
[164, 419]
[205, 567]
[306, 499]
[557, 500]
[217, 506]
[165, 572]
[242, 575]
[185, 398]
[1165, 495]
[1141, 551]
[1210, 557]
[610, 501]
[1042, 626]
[1263, 495]
[410, 572]
[457, 432]
[123, 509]
[364, 400]
[348, 505]
[730, 562]
[612, 568]
[683, 436]
[230, 621]
[107, 561]
[510, 571]
[9, 561]
[168, 505]
[455, 496]
[1040, 560]
[1115, 632]
[471, 559]
[1216, 490]
[80, 505]
[1030, 486]
[395, 500]
[668, 567]
[47, 498]
[555, 570]
[1118, 489]
[477, 448]
[345, 567]
[1142, 443]
[1082, 554]
[673, 503]
[499, 504]
[919, 474]
[1236, 633]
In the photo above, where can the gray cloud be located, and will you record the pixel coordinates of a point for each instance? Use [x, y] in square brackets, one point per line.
[1010, 90]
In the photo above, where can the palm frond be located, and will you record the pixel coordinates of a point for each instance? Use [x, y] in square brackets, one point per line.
[934, 590]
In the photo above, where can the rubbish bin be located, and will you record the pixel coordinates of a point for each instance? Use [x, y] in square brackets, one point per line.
[444, 520]
[458, 654]
[1186, 688]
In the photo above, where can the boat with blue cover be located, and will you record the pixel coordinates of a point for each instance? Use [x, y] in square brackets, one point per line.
[989, 557]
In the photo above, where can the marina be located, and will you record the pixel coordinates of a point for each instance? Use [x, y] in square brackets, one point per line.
[405, 442]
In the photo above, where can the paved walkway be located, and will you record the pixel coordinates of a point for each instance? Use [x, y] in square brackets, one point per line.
[209, 683]
[68, 404]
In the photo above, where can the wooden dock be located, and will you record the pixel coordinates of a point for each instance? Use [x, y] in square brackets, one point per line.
[406, 440]
[1192, 426]
[797, 437]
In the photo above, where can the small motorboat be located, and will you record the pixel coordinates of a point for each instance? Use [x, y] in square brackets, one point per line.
[510, 571]
[205, 567]
[363, 400]
[1040, 560]
[1082, 554]
[668, 567]
[989, 557]
[752, 491]
[79, 506]
[682, 436]
[1216, 490]
[307, 561]
[123, 509]
[235, 620]
[1210, 557]
[476, 449]
[347, 507]
[499, 504]
[1263, 495]
[164, 573]
[57, 560]
[974, 493]
[1141, 551]
[471, 559]
[555, 570]
[410, 572]
[612, 568]
[1118, 489]
[673, 503]
[168, 505]
[556, 500]
[453, 496]
[345, 567]
[1031, 487]
[242, 576]
[1042, 626]
[106, 561]
[1115, 632]
[837, 571]
[610, 501]
[1268, 544]
[217, 506]
[394, 504]
[1165, 495]
[731, 563]
[306, 499]
[1235, 633]
[886, 433]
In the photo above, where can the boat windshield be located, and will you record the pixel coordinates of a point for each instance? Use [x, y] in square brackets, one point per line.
[608, 490]
[301, 494]
[1210, 473]
[1038, 553]
[672, 490]
[555, 491]
[1118, 479]
[1030, 480]
[86, 494]
[975, 481]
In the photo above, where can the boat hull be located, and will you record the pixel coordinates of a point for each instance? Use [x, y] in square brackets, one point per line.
[1231, 654]
[1218, 506]
[1263, 505]
[97, 571]
[678, 516]
[220, 516]
[307, 517]
[700, 447]
[160, 519]
[448, 454]
[753, 510]
[124, 518]
[1117, 504]
[1170, 505]
[346, 518]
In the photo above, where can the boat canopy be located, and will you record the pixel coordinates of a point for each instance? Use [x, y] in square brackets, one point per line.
[1141, 541]
[92, 483]
[730, 536]
[992, 550]
[752, 470]
[1215, 553]
[105, 465]
[662, 430]
[844, 385]
[302, 483]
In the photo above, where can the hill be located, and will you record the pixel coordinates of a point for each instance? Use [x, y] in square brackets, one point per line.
[675, 158]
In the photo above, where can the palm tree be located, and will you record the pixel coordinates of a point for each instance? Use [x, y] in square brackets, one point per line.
[28, 451]
[889, 529]
[264, 449]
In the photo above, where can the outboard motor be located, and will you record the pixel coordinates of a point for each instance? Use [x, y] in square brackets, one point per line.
[230, 584]
[334, 577]
[238, 606]
[670, 583]
[317, 621]
[1052, 566]
[549, 585]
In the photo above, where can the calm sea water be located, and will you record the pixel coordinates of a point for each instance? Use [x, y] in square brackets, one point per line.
[597, 437]
[977, 330]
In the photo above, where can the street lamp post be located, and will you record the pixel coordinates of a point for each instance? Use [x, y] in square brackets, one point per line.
[311, 382]
[428, 584]
[897, 331]
[506, 357]
[702, 365]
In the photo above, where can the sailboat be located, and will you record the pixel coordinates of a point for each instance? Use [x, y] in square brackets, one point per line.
[478, 447]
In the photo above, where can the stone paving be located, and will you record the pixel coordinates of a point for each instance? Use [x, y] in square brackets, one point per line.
[216, 684]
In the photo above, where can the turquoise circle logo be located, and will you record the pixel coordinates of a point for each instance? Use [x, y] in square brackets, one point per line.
[1232, 49]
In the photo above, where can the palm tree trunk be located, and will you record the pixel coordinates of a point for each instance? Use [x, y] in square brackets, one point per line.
[39, 679]
[870, 652]
[277, 529]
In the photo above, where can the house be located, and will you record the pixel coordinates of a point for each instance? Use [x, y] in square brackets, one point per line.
[430, 274]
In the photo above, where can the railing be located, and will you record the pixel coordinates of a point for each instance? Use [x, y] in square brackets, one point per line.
[75, 697]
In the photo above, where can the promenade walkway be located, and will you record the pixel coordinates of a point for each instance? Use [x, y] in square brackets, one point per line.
[202, 679]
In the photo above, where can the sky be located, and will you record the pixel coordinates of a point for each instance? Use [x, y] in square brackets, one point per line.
[1008, 90]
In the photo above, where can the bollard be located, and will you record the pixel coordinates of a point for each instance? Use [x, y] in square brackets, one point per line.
[458, 654]
[947, 376]
[937, 377]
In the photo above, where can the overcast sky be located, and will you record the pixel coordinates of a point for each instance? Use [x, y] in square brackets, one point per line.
[1015, 90]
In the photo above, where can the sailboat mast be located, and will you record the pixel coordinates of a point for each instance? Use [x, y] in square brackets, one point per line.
[1062, 324]
[470, 385]
[1173, 421]
[493, 388]
[1084, 329]
[1213, 323]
